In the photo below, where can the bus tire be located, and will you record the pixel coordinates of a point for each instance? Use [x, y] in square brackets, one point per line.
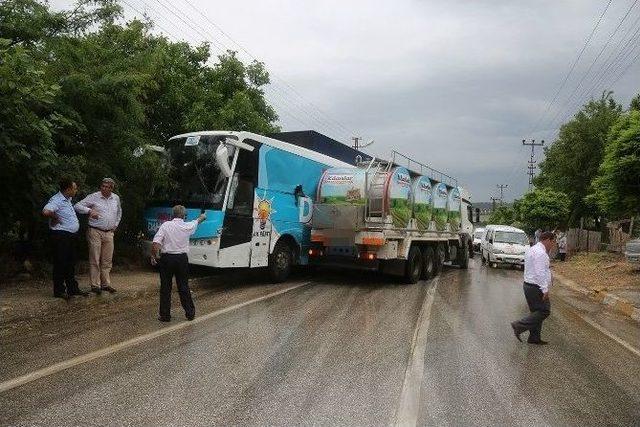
[428, 263]
[280, 262]
[413, 266]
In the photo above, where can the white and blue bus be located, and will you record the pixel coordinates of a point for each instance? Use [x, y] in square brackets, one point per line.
[256, 191]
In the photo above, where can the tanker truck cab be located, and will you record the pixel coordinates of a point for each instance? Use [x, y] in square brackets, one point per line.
[254, 191]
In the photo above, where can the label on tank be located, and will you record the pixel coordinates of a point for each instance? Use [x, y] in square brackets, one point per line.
[453, 206]
[440, 214]
[399, 192]
[422, 197]
[343, 186]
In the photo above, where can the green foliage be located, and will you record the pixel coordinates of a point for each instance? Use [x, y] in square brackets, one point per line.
[503, 215]
[617, 186]
[80, 90]
[544, 209]
[572, 162]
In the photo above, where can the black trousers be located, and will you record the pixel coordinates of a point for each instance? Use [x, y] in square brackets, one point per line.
[63, 247]
[539, 309]
[177, 265]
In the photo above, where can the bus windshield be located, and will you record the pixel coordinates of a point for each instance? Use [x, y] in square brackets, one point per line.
[195, 177]
[511, 237]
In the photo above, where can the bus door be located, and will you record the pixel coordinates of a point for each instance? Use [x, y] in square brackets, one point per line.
[237, 226]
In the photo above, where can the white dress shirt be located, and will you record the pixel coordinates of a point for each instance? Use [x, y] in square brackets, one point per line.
[173, 236]
[108, 208]
[536, 267]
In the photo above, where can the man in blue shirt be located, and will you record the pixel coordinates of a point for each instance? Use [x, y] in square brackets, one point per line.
[63, 225]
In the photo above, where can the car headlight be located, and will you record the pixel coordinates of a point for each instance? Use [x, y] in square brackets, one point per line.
[498, 251]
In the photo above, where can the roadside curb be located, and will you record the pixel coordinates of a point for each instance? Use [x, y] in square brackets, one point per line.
[620, 305]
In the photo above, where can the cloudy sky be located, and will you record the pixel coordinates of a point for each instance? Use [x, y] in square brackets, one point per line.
[456, 85]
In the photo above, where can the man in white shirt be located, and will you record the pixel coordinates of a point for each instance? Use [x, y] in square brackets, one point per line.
[537, 280]
[105, 212]
[172, 239]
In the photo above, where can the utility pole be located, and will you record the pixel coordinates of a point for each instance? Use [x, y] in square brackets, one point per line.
[532, 171]
[531, 166]
[501, 187]
[493, 203]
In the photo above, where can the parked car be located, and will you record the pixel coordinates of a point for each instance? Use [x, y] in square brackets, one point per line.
[504, 245]
[632, 252]
[477, 238]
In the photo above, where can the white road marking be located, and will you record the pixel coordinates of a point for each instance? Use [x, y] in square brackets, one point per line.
[617, 339]
[409, 403]
[66, 364]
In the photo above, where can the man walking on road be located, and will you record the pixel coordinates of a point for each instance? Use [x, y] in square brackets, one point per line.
[63, 226]
[537, 279]
[105, 212]
[172, 239]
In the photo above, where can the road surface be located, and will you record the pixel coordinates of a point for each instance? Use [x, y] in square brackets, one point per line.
[338, 348]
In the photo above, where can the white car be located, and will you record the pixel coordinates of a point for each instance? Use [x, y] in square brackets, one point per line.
[477, 238]
[504, 245]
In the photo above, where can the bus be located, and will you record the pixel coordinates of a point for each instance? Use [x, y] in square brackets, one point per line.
[257, 193]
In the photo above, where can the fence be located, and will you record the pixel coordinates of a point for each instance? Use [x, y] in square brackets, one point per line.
[579, 240]
[619, 234]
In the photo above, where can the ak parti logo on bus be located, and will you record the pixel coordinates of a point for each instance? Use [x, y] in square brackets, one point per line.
[263, 211]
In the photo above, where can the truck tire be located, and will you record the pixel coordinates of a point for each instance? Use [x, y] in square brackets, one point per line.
[280, 262]
[463, 253]
[428, 263]
[439, 259]
[413, 266]
[471, 251]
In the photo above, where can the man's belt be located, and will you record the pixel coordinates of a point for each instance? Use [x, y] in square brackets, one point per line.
[98, 228]
[532, 284]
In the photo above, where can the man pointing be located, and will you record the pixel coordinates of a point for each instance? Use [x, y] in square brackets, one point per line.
[172, 240]
[537, 280]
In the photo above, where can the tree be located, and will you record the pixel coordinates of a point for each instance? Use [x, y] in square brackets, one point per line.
[81, 90]
[617, 186]
[544, 209]
[504, 215]
[573, 160]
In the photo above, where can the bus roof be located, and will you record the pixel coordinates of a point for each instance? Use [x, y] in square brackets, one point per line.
[285, 146]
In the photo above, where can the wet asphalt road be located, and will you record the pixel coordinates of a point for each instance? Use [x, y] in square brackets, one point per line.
[335, 351]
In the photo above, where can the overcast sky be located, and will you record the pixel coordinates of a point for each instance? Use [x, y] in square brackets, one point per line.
[456, 85]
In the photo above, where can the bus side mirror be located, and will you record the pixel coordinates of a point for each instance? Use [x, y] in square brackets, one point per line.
[222, 159]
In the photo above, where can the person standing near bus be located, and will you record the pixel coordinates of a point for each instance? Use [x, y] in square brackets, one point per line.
[63, 226]
[105, 213]
[169, 250]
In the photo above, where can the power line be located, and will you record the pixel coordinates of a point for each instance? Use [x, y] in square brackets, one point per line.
[280, 96]
[584, 76]
[275, 75]
[573, 66]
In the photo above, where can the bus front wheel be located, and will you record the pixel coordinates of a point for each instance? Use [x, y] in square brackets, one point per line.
[280, 262]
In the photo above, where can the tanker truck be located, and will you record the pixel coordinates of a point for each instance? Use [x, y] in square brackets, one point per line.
[399, 216]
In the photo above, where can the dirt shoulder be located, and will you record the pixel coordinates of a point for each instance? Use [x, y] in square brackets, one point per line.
[602, 273]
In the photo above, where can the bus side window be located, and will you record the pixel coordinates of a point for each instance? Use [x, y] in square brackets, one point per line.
[241, 196]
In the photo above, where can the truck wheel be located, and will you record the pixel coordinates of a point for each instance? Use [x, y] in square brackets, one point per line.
[463, 254]
[428, 263]
[280, 262]
[439, 259]
[413, 266]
